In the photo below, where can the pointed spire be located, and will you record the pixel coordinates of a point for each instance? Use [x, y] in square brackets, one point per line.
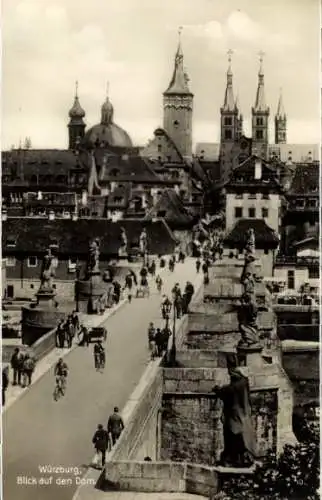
[76, 112]
[280, 107]
[260, 103]
[229, 102]
[180, 79]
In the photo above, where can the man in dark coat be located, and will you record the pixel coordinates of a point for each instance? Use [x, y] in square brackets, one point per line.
[5, 383]
[117, 291]
[158, 340]
[239, 435]
[100, 441]
[60, 334]
[115, 425]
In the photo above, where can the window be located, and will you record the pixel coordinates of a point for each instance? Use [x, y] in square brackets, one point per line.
[11, 242]
[266, 251]
[32, 286]
[32, 261]
[260, 122]
[228, 120]
[252, 196]
[176, 123]
[314, 272]
[161, 213]
[251, 212]
[291, 279]
[159, 148]
[10, 261]
[239, 196]
[265, 196]
[228, 134]
[264, 212]
[238, 212]
[259, 134]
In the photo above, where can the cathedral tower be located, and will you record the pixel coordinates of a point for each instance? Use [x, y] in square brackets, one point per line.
[178, 105]
[76, 126]
[230, 125]
[280, 122]
[229, 111]
[260, 116]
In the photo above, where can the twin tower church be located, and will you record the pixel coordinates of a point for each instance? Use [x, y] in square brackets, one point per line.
[178, 121]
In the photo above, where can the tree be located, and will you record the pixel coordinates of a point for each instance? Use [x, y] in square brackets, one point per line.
[295, 475]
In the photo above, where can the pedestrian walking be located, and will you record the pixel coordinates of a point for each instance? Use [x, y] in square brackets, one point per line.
[75, 321]
[28, 369]
[60, 334]
[17, 360]
[5, 383]
[115, 425]
[198, 265]
[85, 336]
[158, 341]
[101, 442]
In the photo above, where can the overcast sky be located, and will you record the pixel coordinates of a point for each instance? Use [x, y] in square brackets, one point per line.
[48, 44]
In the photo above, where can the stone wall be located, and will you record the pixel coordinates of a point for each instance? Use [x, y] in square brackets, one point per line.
[303, 369]
[161, 477]
[191, 427]
[139, 438]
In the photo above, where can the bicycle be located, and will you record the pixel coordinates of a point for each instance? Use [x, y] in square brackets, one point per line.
[60, 387]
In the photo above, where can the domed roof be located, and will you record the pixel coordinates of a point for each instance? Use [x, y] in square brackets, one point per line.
[107, 133]
[76, 111]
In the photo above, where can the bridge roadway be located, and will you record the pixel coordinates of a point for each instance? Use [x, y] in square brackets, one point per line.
[38, 431]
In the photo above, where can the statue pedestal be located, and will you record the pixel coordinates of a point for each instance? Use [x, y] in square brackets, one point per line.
[89, 293]
[39, 319]
[250, 356]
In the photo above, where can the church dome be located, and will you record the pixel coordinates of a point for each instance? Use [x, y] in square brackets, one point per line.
[107, 133]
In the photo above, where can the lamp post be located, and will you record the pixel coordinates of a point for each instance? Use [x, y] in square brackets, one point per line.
[77, 286]
[173, 350]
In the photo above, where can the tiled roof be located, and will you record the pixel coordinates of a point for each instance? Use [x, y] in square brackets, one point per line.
[264, 235]
[34, 235]
[171, 208]
[305, 180]
[132, 168]
[246, 173]
[44, 161]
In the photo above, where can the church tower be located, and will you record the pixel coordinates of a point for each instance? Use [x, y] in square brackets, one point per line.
[260, 116]
[229, 111]
[178, 105]
[230, 125]
[280, 122]
[76, 125]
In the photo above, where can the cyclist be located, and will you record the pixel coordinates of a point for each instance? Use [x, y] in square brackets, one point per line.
[99, 355]
[61, 373]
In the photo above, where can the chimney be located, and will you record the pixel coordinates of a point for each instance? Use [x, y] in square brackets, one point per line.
[258, 168]
[51, 215]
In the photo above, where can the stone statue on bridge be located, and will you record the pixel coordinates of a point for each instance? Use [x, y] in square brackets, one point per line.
[239, 435]
[123, 244]
[250, 257]
[47, 273]
[143, 242]
[247, 322]
[93, 260]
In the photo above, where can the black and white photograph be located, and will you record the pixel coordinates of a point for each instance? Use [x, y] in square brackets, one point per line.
[160, 263]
